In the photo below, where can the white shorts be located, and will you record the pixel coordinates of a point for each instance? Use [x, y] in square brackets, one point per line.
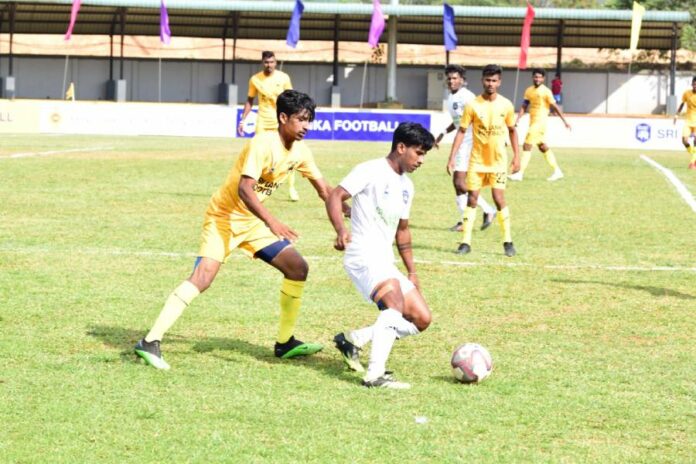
[461, 159]
[367, 277]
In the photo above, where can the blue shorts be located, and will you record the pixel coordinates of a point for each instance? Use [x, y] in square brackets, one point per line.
[558, 98]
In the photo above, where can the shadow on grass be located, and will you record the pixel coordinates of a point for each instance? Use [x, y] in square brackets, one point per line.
[654, 291]
[125, 339]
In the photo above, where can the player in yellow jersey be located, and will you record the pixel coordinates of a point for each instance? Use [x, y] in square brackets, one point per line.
[237, 218]
[492, 117]
[538, 101]
[267, 85]
[689, 132]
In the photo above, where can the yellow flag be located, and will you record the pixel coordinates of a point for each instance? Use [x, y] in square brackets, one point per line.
[638, 12]
[70, 93]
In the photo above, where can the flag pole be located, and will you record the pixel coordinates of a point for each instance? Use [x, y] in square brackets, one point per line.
[159, 77]
[517, 81]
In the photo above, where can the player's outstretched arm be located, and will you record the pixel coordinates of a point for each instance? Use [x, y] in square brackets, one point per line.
[560, 114]
[334, 208]
[403, 244]
[324, 190]
[447, 130]
[679, 110]
[515, 165]
[455, 148]
[247, 195]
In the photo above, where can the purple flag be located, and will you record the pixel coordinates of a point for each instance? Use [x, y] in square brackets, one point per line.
[448, 28]
[73, 17]
[294, 29]
[165, 32]
[376, 25]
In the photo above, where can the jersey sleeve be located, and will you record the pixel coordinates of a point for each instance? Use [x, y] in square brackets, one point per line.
[685, 96]
[357, 180]
[528, 95]
[510, 115]
[288, 84]
[467, 116]
[548, 95]
[308, 167]
[253, 91]
[257, 157]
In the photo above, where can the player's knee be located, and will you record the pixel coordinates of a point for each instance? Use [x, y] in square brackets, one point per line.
[298, 271]
[423, 319]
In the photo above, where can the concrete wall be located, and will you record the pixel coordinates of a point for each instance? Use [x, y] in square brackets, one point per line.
[197, 81]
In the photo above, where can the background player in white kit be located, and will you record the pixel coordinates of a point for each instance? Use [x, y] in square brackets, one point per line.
[457, 165]
[382, 197]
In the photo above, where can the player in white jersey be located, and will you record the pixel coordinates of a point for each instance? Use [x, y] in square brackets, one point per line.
[382, 196]
[458, 165]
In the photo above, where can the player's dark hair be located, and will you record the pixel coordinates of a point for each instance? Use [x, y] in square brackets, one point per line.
[538, 71]
[266, 55]
[492, 70]
[455, 68]
[693, 80]
[293, 102]
[412, 134]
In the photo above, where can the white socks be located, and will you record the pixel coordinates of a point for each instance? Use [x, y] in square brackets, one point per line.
[389, 326]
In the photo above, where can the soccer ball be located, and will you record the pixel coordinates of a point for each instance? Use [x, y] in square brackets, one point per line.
[471, 363]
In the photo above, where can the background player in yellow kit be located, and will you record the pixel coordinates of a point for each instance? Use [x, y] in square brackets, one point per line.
[237, 218]
[493, 120]
[267, 85]
[689, 132]
[538, 100]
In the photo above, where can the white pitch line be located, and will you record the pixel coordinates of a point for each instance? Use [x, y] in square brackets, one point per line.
[53, 152]
[470, 264]
[681, 188]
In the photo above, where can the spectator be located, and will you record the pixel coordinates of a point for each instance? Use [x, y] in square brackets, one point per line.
[556, 88]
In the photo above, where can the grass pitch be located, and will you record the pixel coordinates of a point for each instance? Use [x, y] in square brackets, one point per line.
[590, 326]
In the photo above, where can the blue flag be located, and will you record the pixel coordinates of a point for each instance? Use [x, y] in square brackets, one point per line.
[294, 29]
[448, 28]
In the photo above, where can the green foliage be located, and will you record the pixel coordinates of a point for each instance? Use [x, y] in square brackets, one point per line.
[594, 353]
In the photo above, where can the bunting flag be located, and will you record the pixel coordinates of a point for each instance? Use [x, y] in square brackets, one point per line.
[526, 37]
[376, 25]
[293, 36]
[448, 28]
[73, 17]
[70, 93]
[636, 21]
[165, 32]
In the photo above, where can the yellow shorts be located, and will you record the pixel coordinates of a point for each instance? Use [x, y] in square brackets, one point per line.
[218, 239]
[536, 134]
[477, 180]
[688, 130]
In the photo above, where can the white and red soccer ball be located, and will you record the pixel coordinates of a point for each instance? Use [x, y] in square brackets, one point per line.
[471, 363]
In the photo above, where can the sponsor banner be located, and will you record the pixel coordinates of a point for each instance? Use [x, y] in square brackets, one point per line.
[136, 119]
[18, 117]
[597, 132]
[351, 125]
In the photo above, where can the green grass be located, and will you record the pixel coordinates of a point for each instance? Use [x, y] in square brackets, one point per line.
[592, 363]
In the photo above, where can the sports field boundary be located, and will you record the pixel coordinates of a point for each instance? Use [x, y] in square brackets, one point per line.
[31, 154]
[679, 185]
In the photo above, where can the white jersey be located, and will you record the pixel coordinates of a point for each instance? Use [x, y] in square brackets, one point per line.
[455, 106]
[381, 198]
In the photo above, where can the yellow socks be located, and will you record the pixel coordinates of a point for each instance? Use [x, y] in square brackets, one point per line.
[177, 301]
[524, 160]
[551, 159]
[504, 221]
[692, 152]
[290, 301]
[468, 224]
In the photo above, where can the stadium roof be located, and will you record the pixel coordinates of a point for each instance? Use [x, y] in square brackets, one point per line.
[417, 24]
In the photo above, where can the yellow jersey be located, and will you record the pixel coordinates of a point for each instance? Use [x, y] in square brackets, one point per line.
[689, 98]
[267, 88]
[265, 159]
[491, 120]
[540, 100]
